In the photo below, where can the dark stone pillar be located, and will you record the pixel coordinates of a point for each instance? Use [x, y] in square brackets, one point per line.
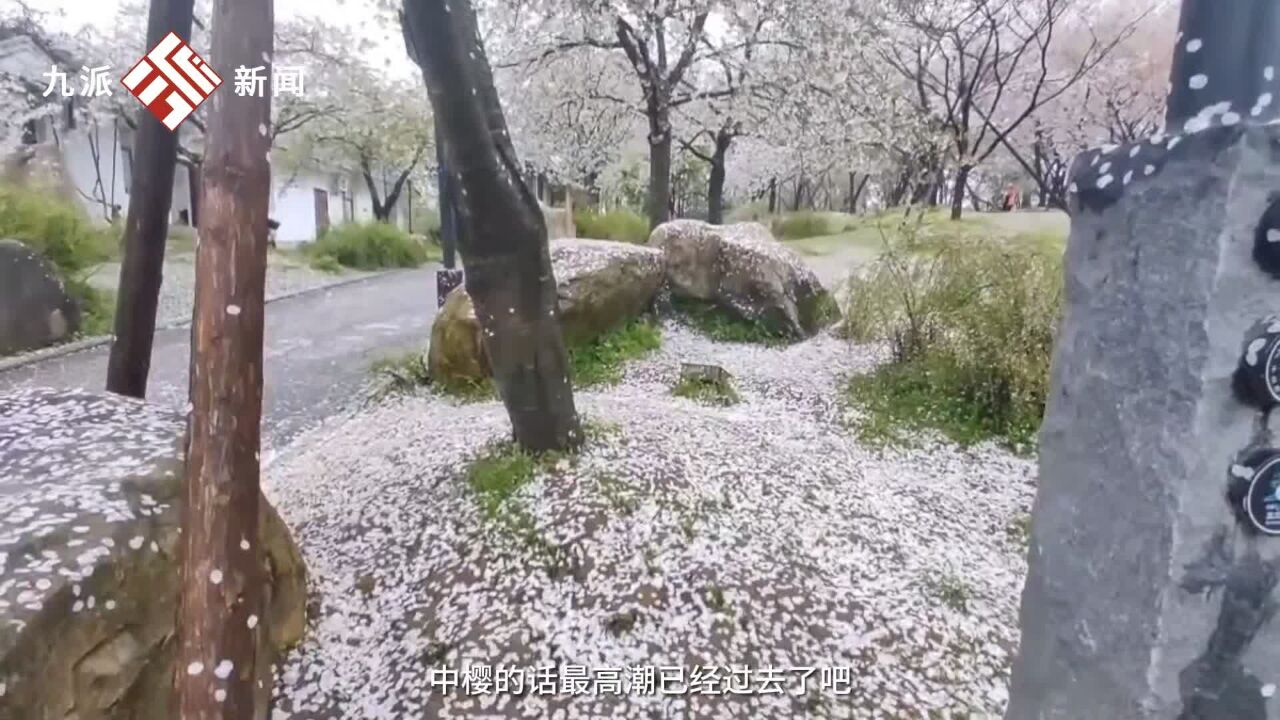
[1151, 591]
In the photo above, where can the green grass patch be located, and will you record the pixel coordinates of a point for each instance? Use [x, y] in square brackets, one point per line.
[707, 391]
[970, 328]
[495, 478]
[58, 230]
[721, 326]
[600, 361]
[97, 307]
[407, 373]
[619, 225]
[369, 246]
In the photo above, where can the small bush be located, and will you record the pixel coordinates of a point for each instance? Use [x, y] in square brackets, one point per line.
[97, 307]
[719, 325]
[617, 225]
[600, 361]
[326, 263]
[58, 230]
[707, 391]
[970, 329]
[805, 224]
[368, 246]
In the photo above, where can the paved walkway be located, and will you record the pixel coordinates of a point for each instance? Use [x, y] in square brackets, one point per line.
[319, 346]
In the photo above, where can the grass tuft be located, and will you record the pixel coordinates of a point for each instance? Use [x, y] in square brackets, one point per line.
[721, 326]
[495, 478]
[600, 361]
[970, 329]
[707, 391]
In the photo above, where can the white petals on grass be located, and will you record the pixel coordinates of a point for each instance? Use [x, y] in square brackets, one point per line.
[759, 533]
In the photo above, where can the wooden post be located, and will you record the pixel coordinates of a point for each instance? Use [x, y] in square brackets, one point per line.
[146, 228]
[222, 573]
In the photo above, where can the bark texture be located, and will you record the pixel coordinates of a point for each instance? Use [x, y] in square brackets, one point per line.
[147, 225]
[502, 234]
[222, 576]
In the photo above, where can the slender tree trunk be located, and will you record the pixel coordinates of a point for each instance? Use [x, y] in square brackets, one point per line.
[857, 193]
[659, 165]
[147, 225]
[222, 566]
[799, 194]
[957, 194]
[503, 234]
[773, 195]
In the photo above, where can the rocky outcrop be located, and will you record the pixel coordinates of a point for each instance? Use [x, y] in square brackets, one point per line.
[91, 487]
[35, 309]
[600, 285]
[743, 270]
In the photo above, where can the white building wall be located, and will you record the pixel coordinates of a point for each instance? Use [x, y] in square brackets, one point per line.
[293, 205]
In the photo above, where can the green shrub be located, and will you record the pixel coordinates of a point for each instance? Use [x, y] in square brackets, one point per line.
[717, 324]
[970, 328]
[326, 263]
[97, 307]
[805, 224]
[369, 246]
[58, 230]
[600, 361]
[617, 225]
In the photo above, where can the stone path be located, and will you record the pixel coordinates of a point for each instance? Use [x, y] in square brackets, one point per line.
[286, 275]
[319, 347]
[756, 543]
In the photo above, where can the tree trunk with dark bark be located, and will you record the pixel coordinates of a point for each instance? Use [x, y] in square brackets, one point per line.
[222, 566]
[447, 203]
[659, 166]
[147, 225]
[503, 235]
[773, 195]
[958, 191]
[715, 182]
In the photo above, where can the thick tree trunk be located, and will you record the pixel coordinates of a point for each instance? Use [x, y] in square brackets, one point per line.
[958, 191]
[715, 183]
[503, 235]
[147, 225]
[659, 166]
[448, 218]
[222, 567]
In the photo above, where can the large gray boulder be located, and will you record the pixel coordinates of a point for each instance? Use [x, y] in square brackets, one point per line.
[599, 285]
[1149, 594]
[35, 309]
[91, 488]
[742, 269]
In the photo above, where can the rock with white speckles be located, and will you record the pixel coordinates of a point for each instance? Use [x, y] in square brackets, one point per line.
[599, 285]
[743, 270]
[91, 487]
[1146, 596]
[35, 309]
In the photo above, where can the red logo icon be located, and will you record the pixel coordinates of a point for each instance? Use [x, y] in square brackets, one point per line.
[171, 81]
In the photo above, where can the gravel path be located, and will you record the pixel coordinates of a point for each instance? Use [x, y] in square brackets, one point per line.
[285, 276]
[752, 561]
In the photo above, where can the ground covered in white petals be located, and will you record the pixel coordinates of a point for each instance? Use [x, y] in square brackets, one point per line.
[750, 561]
